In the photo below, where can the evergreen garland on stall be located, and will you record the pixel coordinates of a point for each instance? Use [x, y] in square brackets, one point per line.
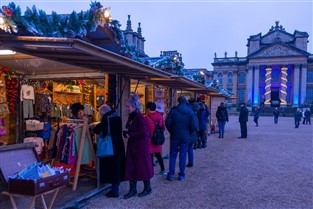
[39, 23]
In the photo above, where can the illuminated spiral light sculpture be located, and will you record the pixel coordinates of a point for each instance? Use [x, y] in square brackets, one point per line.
[268, 80]
[283, 92]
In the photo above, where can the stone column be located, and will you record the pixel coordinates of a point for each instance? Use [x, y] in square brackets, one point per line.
[303, 83]
[250, 83]
[256, 96]
[268, 83]
[296, 86]
[283, 84]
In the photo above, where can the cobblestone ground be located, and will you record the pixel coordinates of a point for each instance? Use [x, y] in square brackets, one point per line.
[272, 168]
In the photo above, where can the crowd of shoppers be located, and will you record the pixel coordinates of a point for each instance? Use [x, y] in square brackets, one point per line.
[187, 124]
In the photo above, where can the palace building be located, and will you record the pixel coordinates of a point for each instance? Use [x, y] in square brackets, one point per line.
[277, 71]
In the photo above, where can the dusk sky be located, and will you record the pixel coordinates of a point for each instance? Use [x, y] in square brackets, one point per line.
[196, 29]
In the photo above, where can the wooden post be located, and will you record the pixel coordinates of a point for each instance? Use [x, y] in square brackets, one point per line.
[80, 152]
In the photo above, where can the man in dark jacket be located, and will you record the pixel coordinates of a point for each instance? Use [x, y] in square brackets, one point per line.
[243, 119]
[180, 123]
[222, 117]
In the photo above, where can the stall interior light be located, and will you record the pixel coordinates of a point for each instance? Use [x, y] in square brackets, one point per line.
[7, 52]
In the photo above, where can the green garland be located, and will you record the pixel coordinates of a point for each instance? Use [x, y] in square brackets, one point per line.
[38, 23]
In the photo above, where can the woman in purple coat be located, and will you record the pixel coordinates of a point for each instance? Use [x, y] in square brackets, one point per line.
[138, 160]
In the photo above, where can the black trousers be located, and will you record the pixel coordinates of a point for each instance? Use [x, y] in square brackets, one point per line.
[243, 129]
[160, 159]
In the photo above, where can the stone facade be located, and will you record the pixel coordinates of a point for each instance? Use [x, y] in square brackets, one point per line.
[277, 70]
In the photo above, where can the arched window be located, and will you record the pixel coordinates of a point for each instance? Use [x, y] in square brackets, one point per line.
[241, 78]
[230, 79]
[220, 78]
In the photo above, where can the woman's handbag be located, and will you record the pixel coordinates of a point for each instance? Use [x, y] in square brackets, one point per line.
[105, 145]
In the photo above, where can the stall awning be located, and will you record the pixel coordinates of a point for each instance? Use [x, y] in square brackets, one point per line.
[45, 57]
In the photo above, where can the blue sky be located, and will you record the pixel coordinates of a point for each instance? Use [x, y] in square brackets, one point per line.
[197, 29]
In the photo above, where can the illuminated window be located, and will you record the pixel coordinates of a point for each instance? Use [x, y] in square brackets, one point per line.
[230, 79]
[241, 78]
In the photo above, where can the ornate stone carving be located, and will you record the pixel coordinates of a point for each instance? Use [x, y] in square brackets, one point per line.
[276, 51]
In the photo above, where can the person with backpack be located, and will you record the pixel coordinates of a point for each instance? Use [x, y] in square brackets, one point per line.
[222, 117]
[156, 124]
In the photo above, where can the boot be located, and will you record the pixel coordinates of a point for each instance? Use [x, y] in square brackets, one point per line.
[147, 189]
[132, 190]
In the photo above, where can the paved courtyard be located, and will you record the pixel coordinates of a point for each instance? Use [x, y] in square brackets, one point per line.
[272, 168]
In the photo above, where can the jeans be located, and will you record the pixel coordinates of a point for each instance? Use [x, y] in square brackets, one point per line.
[275, 119]
[221, 128]
[190, 153]
[175, 147]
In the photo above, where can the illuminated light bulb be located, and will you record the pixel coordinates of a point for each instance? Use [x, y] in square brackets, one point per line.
[107, 13]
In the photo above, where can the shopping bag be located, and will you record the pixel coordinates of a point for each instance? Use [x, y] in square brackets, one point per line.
[104, 146]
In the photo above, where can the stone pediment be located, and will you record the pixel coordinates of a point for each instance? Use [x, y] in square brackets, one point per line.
[277, 50]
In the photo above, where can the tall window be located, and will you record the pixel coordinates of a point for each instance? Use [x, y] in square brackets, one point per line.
[220, 79]
[309, 94]
[310, 76]
[241, 95]
[230, 90]
[241, 78]
[230, 79]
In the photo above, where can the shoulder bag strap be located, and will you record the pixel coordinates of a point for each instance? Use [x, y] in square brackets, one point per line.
[153, 121]
[109, 132]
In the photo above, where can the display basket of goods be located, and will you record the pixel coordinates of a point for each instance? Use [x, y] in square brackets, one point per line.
[37, 179]
[24, 175]
[34, 125]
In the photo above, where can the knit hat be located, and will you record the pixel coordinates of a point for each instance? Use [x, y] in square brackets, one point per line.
[104, 109]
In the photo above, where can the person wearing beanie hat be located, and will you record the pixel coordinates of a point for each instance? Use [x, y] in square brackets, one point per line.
[180, 122]
[138, 160]
[112, 169]
[104, 109]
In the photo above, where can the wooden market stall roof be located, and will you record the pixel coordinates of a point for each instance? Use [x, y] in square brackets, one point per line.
[87, 60]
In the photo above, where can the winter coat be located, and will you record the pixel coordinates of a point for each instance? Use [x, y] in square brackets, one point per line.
[222, 114]
[194, 135]
[153, 118]
[298, 116]
[112, 169]
[243, 116]
[202, 117]
[138, 160]
[181, 122]
[276, 113]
